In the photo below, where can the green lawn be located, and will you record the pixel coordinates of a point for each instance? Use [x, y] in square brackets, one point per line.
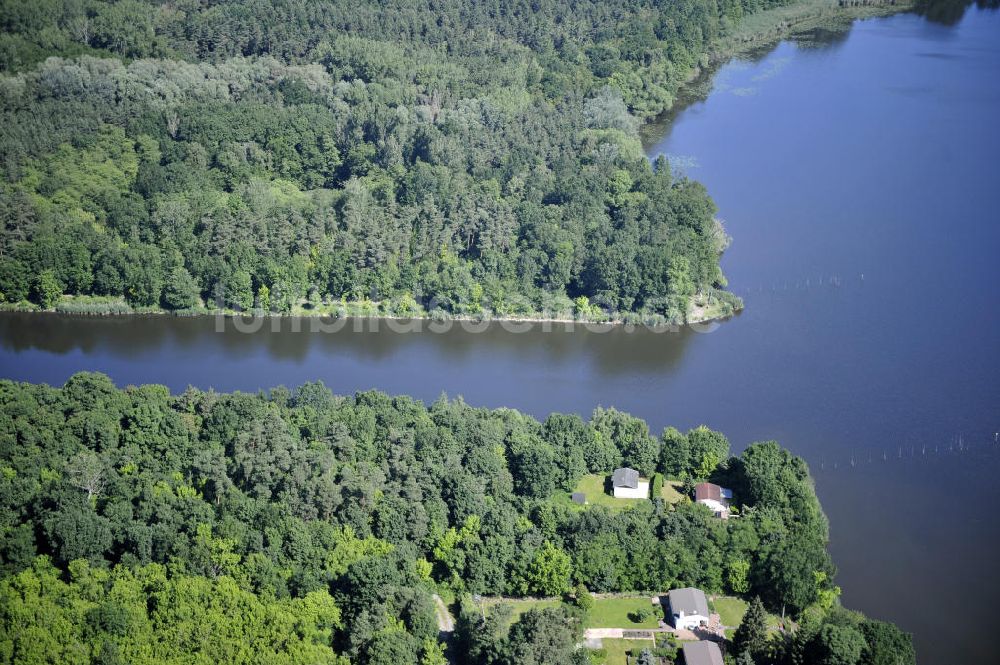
[671, 491]
[613, 613]
[518, 606]
[731, 611]
[616, 650]
[606, 613]
[593, 486]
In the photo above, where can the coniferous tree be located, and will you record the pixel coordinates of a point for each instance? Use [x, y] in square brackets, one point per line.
[751, 636]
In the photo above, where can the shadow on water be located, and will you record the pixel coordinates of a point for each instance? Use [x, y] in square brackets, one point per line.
[950, 12]
[613, 350]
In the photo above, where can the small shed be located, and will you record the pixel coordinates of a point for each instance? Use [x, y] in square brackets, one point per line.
[625, 477]
[626, 484]
[579, 497]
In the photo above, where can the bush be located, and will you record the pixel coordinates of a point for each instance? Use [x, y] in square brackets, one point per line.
[688, 486]
[729, 303]
[639, 616]
[656, 485]
[46, 289]
[582, 598]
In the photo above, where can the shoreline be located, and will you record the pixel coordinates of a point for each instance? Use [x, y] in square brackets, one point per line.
[766, 28]
[349, 311]
[757, 32]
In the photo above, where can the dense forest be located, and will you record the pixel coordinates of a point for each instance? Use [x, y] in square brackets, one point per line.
[419, 158]
[452, 157]
[138, 526]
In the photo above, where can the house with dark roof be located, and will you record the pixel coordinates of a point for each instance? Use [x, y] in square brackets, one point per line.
[688, 608]
[715, 497]
[626, 484]
[702, 653]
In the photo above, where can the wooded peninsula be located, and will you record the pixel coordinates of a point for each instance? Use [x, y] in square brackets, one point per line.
[298, 526]
[279, 156]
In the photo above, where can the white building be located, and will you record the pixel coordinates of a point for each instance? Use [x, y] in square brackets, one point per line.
[688, 608]
[715, 497]
[626, 484]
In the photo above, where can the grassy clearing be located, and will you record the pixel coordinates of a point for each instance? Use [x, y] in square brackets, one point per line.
[731, 611]
[615, 652]
[606, 613]
[672, 491]
[593, 486]
[613, 613]
[518, 605]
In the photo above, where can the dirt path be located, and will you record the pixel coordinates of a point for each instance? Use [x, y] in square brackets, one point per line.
[446, 622]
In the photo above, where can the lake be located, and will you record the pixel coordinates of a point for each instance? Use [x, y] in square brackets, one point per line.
[857, 173]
